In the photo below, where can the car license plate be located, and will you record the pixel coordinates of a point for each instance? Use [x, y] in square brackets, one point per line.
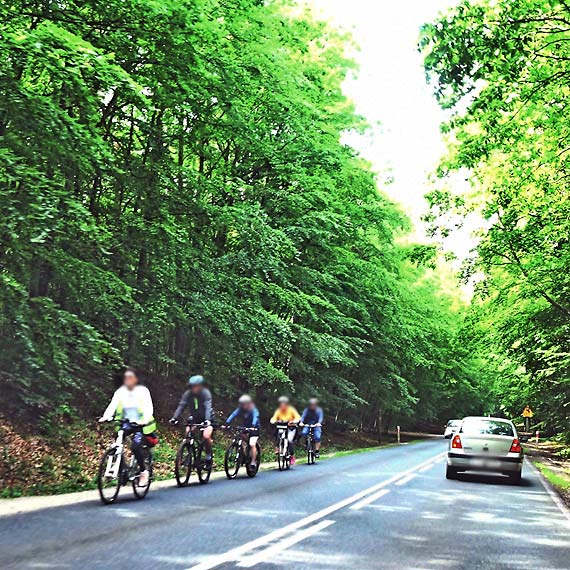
[485, 464]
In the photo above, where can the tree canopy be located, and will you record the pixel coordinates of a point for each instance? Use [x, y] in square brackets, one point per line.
[176, 194]
[502, 70]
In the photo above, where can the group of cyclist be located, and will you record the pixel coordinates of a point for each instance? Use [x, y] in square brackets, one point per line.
[132, 407]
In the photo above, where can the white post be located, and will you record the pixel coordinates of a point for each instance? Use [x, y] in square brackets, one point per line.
[537, 436]
[398, 432]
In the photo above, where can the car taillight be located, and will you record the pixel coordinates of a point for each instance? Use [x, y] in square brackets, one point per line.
[516, 446]
[456, 443]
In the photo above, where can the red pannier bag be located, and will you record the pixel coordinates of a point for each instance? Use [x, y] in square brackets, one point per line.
[151, 439]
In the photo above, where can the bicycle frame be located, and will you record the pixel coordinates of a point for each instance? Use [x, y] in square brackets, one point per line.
[310, 443]
[311, 433]
[114, 462]
[190, 434]
[241, 437]
[186, 456]
[283, 434]
[196, 443]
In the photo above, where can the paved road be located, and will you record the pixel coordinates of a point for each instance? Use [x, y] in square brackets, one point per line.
[390, 508]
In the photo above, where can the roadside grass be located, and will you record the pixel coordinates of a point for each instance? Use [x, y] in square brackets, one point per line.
[553, 465]
[556, 478]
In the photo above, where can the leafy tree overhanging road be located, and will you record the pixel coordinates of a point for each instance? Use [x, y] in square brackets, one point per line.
[502, 69]
[176, 196]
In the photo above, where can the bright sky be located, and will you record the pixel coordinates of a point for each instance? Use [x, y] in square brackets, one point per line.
[390, 91]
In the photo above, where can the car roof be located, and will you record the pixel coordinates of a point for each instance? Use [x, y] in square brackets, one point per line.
[486, 418]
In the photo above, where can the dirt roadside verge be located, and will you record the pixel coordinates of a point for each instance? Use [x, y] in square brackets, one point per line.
[64, 458]
[551, 459]
[26, 504]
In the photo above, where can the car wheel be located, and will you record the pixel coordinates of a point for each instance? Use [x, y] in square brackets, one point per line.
[450, 472]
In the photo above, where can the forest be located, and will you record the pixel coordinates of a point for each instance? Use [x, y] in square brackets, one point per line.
[176, 194]
[501, 69]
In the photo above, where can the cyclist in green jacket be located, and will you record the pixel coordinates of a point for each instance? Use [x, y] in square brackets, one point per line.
[132, 405]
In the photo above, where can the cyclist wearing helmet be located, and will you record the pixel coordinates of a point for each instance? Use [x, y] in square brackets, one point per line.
[198, 399]
[286, 413]
[313, 415]
[247, 415]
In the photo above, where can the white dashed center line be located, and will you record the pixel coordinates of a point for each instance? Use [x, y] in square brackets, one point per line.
[237, 554]
[405, 479]
[270, 552]
[369, 499]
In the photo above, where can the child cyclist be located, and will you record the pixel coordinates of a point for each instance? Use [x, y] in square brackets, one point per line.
[247, 415]
[286, 413]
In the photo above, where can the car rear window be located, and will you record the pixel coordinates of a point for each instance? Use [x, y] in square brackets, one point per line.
[487, 427]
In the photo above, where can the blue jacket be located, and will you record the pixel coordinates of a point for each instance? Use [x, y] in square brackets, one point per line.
[312, 416]
[245, 419]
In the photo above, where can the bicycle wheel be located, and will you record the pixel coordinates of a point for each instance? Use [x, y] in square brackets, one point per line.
[252, 471]
[141, 492]
[310, 452]
[282, 454]
[109, 485]
[201, 463]
[183, 464]
[232, 460]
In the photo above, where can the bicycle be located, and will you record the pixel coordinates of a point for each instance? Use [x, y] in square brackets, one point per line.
[283, 453]
[236, 455]
[310, 444]
[116, 470]
[191, 456]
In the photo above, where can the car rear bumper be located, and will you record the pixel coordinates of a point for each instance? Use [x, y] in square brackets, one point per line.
[486, 463]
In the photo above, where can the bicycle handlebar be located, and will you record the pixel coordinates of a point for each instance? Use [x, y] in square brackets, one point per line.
[125, 420]
[200, 425]
[239, 428]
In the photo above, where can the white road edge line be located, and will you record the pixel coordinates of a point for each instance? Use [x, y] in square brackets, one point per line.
[369, 499]
[426, 468]
[555, 498]
[270, 552]
[236, 553]
[406, 479]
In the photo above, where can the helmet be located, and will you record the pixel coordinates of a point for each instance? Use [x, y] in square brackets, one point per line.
[245, 399]
[283, 400]
[196, 380]
[314, 402]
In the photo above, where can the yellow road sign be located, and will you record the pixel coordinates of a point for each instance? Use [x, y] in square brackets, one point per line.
[527, 412]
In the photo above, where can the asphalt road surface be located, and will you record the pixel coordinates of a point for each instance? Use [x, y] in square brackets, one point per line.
[391, 508]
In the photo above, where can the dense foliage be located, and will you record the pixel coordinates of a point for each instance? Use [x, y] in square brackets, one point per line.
[502, 69]
[175, 194]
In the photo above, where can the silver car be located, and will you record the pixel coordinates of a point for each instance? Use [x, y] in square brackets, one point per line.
[485, 445]
[451, 428]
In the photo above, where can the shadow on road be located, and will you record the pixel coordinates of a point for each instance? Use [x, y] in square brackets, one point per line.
[486, 479]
